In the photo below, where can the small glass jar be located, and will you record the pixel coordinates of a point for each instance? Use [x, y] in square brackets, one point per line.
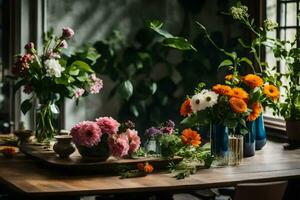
[236, 149]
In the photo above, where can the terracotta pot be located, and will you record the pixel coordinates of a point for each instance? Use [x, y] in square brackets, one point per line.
[293, 131]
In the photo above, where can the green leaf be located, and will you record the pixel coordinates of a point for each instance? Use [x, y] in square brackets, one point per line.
[226, 63]
[246, 60]
[153, 88]
[134, 110]
[202, 27]
[26, 106]
[230, 123]
[82, 66]
[156, 26]
[74, 71]
[54, 108]
[126, 90]
[19, 84]
[178, 43]
[243, 131]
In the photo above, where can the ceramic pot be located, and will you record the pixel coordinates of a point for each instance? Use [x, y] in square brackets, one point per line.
[64, 146]
[99, 152]
[249, 140]
[292, 130]
[261, 135]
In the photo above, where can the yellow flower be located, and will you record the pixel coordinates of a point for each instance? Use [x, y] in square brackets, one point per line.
[271, 91]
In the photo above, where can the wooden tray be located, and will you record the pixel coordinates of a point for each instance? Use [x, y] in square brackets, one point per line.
[76, 163]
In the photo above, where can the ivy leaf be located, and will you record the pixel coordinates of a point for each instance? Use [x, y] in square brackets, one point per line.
[225, 63]
[26, 106]
[19, 84]
[126, 90]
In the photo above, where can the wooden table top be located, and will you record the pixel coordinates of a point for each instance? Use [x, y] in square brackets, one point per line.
[270, 164]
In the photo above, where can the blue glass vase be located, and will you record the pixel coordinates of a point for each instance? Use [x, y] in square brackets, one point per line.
[249, 140]
[219, 142]
[261, 135]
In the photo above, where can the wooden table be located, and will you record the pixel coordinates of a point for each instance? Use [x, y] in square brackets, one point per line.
[272, 163]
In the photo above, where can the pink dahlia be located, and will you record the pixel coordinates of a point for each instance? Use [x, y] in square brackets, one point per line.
[118, 145]
[86, 133]
[108, 125]
[134, 140]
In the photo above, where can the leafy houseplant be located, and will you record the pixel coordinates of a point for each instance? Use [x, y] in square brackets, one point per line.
[51, 77]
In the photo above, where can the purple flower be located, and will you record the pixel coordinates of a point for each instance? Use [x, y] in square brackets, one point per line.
[29, 46]
[63, 44]
[67, 32]
[152, 132]
[78, 92]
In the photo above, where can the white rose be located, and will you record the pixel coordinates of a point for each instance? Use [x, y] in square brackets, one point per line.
[53, 68]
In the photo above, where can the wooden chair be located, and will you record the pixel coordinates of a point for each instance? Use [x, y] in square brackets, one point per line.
[260, 191]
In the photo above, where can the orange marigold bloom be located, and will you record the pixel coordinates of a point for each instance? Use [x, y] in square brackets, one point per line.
[229, 77]
[238, 105]
[148, 168]
[222, 89]
[239, 93]
[271, 91]
[256, 110]
[186, 108]
[253, 80]
[190, 137]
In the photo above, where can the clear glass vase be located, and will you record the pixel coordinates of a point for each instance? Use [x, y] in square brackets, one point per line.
[236, 143]
[45, 122]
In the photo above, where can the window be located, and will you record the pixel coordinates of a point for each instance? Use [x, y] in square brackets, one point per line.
[285, 13]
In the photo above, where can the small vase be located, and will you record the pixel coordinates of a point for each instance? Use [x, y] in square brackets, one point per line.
[219, 143]
[249, 140]
[45, 126]
[99, 152]
[261, 136]
[152, 146]
[64, 146]
[236, 143]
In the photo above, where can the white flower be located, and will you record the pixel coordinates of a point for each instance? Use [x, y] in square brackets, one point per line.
[53, 68]
[270, 25]
[210, 99]
[203, 100]
[239, 12]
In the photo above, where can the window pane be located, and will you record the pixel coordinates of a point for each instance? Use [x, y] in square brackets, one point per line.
[291, 14]
[282, 14]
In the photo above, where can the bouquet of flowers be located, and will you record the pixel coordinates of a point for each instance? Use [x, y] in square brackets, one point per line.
[51, 76]
[106, 136]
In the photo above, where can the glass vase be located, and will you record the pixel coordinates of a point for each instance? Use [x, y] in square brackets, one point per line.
[152, 146]
[219, 144]
[45, 122]
[249, 139]
[235, 149]
[261, 135]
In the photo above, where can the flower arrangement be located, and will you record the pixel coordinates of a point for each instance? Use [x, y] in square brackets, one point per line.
[121, 139]
[51, 76]
[8, 151]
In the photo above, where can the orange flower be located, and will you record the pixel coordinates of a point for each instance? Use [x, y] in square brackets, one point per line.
[239, 93]
[222, 89]
[186, 108]
[229, 77]
[271, 91]
[256, 110]
[238, 105]
[253, 80]
[148, 168]
[8, 151]
[190, 137]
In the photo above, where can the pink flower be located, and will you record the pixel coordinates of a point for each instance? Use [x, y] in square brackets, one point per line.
[108, 125]
[78, 92]
[67, 32]
[134, 140]
[86, 133]
[52, 54]
[96, 85]
[118, 145]
[29, 46]
[21, 66]
[63, 44]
